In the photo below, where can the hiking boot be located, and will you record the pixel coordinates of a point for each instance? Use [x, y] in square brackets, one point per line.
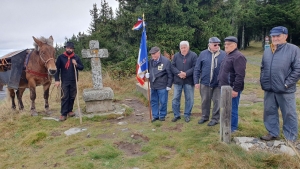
[176, 118]
[154, 119]
[187, 119]
[71, 114]
[212, 123]
[269, 137]
[201, 121]
[62, 118]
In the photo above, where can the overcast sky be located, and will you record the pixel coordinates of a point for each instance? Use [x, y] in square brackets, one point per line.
[22, 19]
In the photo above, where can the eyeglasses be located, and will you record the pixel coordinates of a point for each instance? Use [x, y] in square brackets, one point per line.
[216, 45]
[227, 44]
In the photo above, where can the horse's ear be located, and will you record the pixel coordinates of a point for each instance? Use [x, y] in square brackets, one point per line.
[51, 37]
[38, 42]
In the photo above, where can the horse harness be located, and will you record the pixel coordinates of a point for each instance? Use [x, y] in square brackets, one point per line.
[44, 75]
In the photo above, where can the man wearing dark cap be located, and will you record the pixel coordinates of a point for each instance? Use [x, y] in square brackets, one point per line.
[280, 72]
[183, 65]
[160, 77]
[206, 72]
[232, 72]
[66, 74]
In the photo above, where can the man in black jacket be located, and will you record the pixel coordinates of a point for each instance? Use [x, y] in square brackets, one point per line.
[160, 78]
[232, 72]
[183, 65]
[66, 74]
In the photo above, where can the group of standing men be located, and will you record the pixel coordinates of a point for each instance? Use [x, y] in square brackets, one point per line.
[207, 72]
[214, 68]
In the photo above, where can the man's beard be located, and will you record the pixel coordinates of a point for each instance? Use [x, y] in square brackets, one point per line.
[69, 52]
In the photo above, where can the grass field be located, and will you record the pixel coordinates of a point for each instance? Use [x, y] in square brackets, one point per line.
[30, 142]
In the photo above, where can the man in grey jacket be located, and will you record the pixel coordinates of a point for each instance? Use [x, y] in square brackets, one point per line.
[280, 71]
[183, 65]
[206, 72]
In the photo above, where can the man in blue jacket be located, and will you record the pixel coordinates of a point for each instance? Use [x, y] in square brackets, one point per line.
[160, 77]
[183, 65]
[206, 71]
[66, 74]
[232, 72]
[280, 71]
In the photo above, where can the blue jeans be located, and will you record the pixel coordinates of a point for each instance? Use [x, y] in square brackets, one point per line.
[235, 112]
[159, 101]
[189, 99]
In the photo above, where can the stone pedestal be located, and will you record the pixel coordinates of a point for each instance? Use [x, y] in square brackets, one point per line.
[98, 100]
[143, 89]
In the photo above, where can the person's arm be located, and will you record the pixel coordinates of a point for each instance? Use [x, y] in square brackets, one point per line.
[294, 76]
[57, 74]
[170, 74]
[174, 69]
[197, 70]
[190, 71]
[239, 65]
[79, 65]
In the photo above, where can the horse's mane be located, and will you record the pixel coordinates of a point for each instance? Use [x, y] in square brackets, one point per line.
[47, 41]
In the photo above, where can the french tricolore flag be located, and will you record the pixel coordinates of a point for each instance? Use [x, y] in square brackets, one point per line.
[138, 25]
[142, 62]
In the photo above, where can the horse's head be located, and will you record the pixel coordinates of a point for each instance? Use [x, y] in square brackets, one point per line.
[46, 53]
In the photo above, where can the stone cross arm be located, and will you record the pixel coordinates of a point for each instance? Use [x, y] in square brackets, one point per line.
[94, 51]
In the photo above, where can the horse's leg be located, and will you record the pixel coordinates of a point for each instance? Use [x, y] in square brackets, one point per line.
[32, 98]
[12, 96]
[46, 96]
[19, 93]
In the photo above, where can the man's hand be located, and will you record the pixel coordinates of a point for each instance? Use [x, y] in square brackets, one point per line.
[74, 62]
[147, 75]
[234, 94]
[182, 75]
[57, 83]
[168, 88]
[197, 86]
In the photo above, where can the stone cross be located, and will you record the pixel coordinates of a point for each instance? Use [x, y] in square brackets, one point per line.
[95, 54]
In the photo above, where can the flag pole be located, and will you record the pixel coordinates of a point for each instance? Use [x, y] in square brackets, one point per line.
[148, 89]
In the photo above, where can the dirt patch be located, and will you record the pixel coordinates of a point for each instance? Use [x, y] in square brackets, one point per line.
[70, 151]
[130, 149]
[176, 128]
[140, 111]
[55, 133]
[137, 136]
[105, 136]
[171, 154]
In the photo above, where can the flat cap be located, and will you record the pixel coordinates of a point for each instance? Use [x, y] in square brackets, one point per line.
[214, 40]
[154, 50]
[231, 39]
[278, 30]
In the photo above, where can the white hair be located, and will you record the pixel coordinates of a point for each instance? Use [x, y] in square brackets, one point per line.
[184, 43]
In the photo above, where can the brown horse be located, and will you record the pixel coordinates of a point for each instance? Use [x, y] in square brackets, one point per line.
[39, 70]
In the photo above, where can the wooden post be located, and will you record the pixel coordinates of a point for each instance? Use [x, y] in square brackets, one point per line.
[225, 114]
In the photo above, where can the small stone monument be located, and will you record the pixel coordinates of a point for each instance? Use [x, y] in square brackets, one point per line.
[98, 99]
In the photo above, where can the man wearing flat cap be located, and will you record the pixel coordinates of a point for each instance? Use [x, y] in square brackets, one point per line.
[160, 77]
[232, 72]
[183, 65]
[280, 72]
[66, 74]
[206, 72]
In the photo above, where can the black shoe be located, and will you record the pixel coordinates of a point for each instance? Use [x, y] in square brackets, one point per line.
[269, 137]
[176, 118]
[212, 123]
[201, 121]
[187, 119]
[153, 120]
[162, 119]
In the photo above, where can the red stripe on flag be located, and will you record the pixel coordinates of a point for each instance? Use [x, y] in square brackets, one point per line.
[138, 78]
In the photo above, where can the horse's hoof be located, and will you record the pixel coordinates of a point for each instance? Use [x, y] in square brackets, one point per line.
[34, 113]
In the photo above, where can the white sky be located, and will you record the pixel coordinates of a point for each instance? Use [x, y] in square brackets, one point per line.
[22, 19]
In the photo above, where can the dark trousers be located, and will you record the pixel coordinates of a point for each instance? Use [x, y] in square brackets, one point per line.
[68, 94]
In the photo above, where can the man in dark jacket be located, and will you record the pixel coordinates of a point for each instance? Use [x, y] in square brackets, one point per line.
[183, 65]
[232, 72]
[66, 74]
[160, 77]
[280, 71]
[206, 71]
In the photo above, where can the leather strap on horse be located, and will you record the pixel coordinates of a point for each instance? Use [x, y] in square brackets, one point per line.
[45, 75]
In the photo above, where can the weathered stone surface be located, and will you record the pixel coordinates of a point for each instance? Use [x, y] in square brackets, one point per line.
[287, 150]
[75, 130]
[240, 140]
[105, 93]
[277, 143]
[143, 89]
[88, 53]
[99, 106]
[246, 146]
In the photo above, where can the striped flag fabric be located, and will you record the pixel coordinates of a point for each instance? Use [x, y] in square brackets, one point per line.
[138, 25]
